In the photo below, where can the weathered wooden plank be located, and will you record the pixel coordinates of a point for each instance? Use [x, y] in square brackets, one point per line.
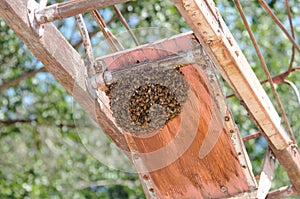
[209, 27]
[284, 192]
[71, 8]
[223, 172]
[219, 174]
[60, 59]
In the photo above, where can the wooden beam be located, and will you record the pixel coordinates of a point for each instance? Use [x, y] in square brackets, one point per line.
[61, 60]
[211, 31]
[71, 8]
[224, 172]
[283, 192]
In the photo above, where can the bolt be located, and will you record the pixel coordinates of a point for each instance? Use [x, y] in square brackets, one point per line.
[227, 118]
[146, 177]
[98, 68]
[224, 189]
[151, 190]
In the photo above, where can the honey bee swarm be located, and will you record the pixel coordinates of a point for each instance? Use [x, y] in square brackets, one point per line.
[145, 99]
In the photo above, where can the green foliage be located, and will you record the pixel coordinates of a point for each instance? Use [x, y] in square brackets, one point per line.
[276, 50]
[42, 155]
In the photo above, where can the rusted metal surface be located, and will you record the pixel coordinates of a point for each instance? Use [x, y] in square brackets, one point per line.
[110, 38]
[280, 25]
[211, 31]
[252, 136]
[71, 8]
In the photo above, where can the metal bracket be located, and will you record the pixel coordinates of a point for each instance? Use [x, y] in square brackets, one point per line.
[32, 6]
[168, 62]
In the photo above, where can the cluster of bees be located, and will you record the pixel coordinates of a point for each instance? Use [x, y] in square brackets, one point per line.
[145, 99]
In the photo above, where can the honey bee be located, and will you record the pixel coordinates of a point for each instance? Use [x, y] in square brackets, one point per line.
[144, 100]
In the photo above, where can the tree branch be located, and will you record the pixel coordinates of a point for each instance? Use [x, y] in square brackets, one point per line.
[20, 78]
[31, 73]
[13, 122]
[88, 185]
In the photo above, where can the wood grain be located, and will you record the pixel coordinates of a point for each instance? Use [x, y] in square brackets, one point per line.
[211, 31]
[181, 173]
[61, 60]
[186, 175]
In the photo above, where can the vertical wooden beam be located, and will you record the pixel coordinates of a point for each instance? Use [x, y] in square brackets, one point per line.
[211, 31]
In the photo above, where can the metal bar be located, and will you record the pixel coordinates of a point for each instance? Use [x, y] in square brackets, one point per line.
[106, 32]
[252, 136]
[292, 31]
[280, 25]
[71, 8]
[295, 89]
[167, 62]
[266, 70]
[87, 44]
[126, 25]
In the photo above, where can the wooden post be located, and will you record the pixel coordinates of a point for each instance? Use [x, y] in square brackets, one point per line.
[210, 29]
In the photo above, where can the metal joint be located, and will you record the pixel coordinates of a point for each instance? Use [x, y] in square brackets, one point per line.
[99, 66]
[32, 7]
[164, 63]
